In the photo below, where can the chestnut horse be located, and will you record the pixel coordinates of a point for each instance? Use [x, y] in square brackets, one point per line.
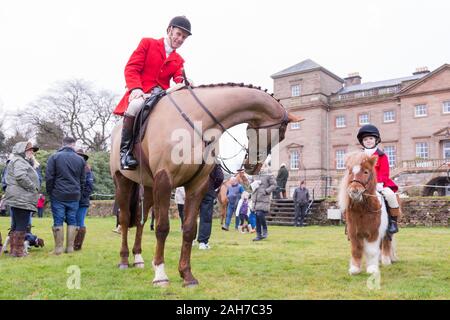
[365, 214]
[222, 195]
[228, 105]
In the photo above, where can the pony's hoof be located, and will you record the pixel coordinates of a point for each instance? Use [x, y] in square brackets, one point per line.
[163, 283]
[373, 269]
[139, 265]
[190, 284]
[123, 266]
[354, 270]
[386, 260]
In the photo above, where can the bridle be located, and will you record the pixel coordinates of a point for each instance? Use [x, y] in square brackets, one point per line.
[364, 193]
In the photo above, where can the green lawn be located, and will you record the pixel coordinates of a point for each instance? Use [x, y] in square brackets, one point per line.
[293, 263]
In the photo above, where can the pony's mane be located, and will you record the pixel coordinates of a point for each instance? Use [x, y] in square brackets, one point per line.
[351, 159]
[233, 84]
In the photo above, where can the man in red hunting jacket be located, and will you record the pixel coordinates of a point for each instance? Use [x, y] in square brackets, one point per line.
[150, 68]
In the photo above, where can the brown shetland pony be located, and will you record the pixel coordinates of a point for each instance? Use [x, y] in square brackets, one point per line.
[231, 105]
[222, 196]
[365, 214]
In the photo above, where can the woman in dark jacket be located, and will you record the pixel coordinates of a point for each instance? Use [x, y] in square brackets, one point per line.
[84, 202]
[22, 193]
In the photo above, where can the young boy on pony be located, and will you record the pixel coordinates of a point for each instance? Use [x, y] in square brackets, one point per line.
[369, 138]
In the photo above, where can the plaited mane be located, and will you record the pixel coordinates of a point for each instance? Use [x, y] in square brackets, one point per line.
[232, 84]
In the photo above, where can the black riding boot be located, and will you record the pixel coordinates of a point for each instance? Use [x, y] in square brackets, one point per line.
[127, 161]
[392, 227]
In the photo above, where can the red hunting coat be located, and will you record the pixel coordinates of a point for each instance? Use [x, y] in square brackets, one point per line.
[148, 67]
[382, 169]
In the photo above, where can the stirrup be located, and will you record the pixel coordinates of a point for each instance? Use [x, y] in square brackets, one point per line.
[124, 163]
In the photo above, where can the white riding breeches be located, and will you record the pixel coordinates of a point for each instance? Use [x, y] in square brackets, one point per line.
[391, 197]
[134, 106]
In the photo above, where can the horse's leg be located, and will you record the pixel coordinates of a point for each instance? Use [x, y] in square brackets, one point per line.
[137, 248]
[372, 252]
[357, 250]
[194, 197]
[386, 251]
[161, 196]
[123, 196]
[394, 257]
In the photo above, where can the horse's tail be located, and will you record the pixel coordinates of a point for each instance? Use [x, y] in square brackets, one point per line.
[134, 204]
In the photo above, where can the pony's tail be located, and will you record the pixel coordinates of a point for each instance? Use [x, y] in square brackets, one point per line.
[343, 199]
[134, 204]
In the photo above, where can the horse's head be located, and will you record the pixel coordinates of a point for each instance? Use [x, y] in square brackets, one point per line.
[262, 138]
[360, 175]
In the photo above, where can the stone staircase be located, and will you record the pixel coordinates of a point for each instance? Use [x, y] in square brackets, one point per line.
[282, 212]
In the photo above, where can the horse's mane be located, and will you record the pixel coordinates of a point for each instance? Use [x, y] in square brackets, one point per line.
[232, 84]
[351, 159]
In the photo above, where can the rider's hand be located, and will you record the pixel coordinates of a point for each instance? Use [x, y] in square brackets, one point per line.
[380, 186]
[136, 93]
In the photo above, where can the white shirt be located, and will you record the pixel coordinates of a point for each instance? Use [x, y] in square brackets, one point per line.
[167, 46]
[370, 152]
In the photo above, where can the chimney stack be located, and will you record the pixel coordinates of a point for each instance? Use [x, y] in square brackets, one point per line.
[352, 79]
[421, 70]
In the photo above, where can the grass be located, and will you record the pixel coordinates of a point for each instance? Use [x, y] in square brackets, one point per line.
[293, 263]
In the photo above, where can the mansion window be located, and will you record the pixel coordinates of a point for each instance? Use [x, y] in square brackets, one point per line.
[295, 90]
[421, 110]
[295, 159]
[446, 107]
[390, 153]
[389, 116]
[363, 119]
[422, 150]
[446, 150]
[340, 162]
[340, 122]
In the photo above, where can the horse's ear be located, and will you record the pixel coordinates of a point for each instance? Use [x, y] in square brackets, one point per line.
[372, 161]
[294, 118]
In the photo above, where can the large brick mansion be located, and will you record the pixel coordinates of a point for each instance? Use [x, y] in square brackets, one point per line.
[412, 113]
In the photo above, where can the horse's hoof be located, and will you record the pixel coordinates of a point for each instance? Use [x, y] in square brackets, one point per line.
[190, 284]
[354, 270]
[163, 283]
[123, 266]
[139, 265]
[373, 269]
[386, 260]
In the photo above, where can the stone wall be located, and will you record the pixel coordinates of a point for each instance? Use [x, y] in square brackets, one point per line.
[101, 208]
[417, 211]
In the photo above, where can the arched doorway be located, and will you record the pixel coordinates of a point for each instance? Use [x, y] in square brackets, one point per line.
[439, 190]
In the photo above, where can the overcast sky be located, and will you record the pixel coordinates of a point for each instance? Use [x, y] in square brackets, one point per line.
[233, 41]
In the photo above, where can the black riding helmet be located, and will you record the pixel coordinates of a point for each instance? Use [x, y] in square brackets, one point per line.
[368, 130]
[181, 22]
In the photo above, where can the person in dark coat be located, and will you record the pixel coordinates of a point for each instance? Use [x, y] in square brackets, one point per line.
[282, 178]
[65, 180]
[301, 201]
[84, 202]
[207, 207]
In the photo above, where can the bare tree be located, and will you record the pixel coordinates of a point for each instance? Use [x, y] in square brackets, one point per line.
[77, 109]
